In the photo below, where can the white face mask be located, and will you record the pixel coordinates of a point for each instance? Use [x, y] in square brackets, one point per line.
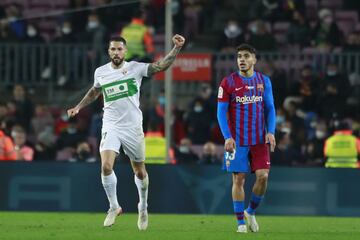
[320, 134]
[31, 32]
[66, 30]
[184, 149]
[92, 24]
[233, 28]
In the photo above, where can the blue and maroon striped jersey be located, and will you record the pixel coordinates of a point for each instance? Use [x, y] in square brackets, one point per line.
[249, 105]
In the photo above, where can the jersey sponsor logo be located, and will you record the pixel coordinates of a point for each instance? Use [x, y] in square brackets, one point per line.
[248, 99]
[221, 92]
[119, 89]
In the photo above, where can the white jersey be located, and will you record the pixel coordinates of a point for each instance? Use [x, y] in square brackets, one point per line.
[121, 92]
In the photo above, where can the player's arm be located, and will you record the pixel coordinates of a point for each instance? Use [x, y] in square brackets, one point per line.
[165, 63]
[89, 97]
[222, 109]
[270, 115]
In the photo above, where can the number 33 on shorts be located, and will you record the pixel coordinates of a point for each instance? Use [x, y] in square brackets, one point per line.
[229, 157]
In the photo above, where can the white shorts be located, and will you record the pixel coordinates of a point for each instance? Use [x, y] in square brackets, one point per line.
[131, 139]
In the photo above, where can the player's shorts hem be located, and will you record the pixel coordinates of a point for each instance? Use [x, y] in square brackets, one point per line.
[108, 148]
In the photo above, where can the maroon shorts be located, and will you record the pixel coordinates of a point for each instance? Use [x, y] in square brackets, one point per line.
[259, 157]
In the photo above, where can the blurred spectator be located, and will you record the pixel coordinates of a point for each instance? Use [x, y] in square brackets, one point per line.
[11, 28]
[260, 38]
[42, 120]
[45, 148]
[335, 91]
[95, 35]
[352, 43]
[66, 33]
[231, 37]
[306, 89]
[7, 151]
[24, 152]
[209, 154]
[184, 154]
[33, 35]
[179, 127]
[198, 124]
[157, 113]
[342, 149]
[314, 148]
[285, 153]
[192, 12]
[326, 34]
[71, 137]
[279, 81]
[83, 153]
[61, 122]
[24, 107]
[139, 39]
[78, 18]
[299, 33]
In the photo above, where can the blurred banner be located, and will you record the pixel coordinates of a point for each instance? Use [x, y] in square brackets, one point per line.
[189, 67]
[56, 186]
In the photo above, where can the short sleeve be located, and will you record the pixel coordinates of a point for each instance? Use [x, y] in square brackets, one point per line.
[143, 69]
[96, 80]
[223, 92]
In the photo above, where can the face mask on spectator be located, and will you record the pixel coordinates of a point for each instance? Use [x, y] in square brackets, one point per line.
[66, 30]
[84, 154]
[184, 149]
[93, 24]
[328, 20]
[12, 19]
[198, 109]
[71, 130]
[253, 29]
[233, 28]
[320, 134]
[162, 100]
[331, 73]
[31, 32]
[280, 119]
[64, 117]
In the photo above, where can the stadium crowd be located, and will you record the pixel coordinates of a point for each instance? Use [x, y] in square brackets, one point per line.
[308, 109]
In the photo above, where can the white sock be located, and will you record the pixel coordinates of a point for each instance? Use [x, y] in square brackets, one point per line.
[142, 186]
[109, 184]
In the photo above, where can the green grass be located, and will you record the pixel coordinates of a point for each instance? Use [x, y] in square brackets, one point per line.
[78, 226]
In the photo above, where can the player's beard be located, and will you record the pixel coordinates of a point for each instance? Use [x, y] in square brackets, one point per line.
[117, 61]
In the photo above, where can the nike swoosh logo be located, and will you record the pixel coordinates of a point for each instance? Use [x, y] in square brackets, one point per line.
[237, 89]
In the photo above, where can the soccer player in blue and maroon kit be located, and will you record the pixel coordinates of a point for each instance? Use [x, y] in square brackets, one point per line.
[246, 116]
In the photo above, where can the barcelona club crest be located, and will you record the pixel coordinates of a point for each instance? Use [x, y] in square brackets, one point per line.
[260, 87]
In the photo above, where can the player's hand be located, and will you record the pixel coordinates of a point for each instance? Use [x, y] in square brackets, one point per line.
[178, 40]
[230, 145]
[271, 140]
[72, 112]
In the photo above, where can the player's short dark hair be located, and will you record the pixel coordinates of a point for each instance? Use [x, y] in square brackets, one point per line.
[246, 47]
[117, 39]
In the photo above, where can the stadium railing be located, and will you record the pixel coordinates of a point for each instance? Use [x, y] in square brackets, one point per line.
[48, 65]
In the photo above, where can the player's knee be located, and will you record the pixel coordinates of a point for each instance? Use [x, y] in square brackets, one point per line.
[238, 180]
[140, 173]
[263, 177]
[106, 169]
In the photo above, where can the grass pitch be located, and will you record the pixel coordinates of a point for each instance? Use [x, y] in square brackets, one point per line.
[82, 226]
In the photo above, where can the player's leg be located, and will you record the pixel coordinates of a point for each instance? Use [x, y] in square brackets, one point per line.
[134, 146]
[109, 147]
[238, 196]
[109, 181]
[260, 164]
[237, 164]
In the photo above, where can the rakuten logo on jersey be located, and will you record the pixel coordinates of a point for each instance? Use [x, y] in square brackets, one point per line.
[248, 99]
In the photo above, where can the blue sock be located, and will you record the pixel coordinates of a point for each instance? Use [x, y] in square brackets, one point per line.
[239, 211]
[254, 203]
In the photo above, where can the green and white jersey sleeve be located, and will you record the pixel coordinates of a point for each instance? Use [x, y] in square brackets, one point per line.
[121, 92]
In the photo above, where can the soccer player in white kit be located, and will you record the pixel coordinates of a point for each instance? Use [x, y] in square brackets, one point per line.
[119, 82]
